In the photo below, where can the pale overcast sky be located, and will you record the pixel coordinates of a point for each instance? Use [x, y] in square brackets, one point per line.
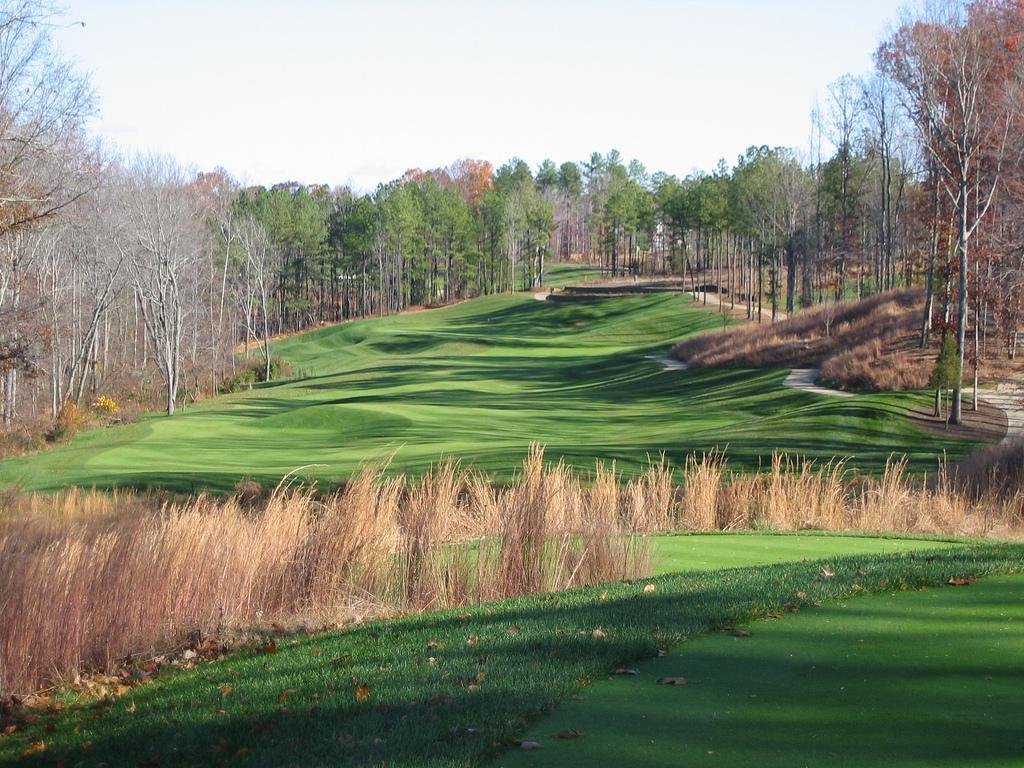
[357, 92]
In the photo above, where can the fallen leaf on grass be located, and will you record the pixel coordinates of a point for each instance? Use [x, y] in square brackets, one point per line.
[529, 745]
[513, 630]
[741, 633]
[672, 681]
[569, 733]
[34, 749]
[827, 571]
[649, 588]
[959, 581]
[362, 692]
[270, 647]
[283, 697]
[599, 634]
[225, 689]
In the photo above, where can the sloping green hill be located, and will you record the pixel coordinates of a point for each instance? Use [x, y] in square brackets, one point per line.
[481, 381]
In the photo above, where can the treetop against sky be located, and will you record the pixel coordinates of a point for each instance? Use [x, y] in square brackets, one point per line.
[357, 92]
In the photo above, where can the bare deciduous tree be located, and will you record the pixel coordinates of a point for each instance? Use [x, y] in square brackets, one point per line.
[257, 271]
[161, 241]
[963, 95]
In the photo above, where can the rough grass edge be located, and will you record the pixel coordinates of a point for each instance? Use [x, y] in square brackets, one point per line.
[607, 626]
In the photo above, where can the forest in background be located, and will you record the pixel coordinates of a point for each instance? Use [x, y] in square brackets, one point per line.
[131, 282]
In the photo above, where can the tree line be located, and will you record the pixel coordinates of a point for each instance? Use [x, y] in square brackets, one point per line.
[138, 278]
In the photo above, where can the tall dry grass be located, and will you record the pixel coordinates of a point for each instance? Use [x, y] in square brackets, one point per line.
[88, 578]
[857, 344]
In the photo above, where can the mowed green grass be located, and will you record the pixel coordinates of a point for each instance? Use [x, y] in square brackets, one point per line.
[480, 382]
[561, 274]
[930, 678]
[677, 553]
[450, 689]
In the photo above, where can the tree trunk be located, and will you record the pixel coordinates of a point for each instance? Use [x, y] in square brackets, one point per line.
[929, 302]
[956, 415]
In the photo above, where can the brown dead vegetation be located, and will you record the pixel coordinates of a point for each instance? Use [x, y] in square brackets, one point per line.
[867, 344]
[90, 578]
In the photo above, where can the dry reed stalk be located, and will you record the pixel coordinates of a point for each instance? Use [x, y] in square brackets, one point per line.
[522, 531]
[428, 518]
[347, 549]
[739, 502]
[798, 494]
[885, 504]
[704, 480]
[89, 578]
[601, 540]
[650, 499]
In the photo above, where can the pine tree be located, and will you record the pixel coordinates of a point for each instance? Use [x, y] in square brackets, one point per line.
[946, 373]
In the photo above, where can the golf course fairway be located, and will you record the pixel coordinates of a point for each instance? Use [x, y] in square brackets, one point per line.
[480, 381]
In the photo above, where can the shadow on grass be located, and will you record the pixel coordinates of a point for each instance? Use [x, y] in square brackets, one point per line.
[574, 379]
[453, 688]
[913, 679]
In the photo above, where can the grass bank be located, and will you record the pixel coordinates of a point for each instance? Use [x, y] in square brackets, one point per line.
[452, 688]
[91, 578]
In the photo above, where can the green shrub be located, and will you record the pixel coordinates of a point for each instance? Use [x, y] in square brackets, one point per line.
[279, 368]
[253, 373]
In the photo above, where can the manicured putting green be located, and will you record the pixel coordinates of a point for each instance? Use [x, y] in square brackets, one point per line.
[708, 552]
[930, 678]
[481, 381]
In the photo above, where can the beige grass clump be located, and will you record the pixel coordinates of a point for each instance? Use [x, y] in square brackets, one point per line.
[856, 344]
[89, 578]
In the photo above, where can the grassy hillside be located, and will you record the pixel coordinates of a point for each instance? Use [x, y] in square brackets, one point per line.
[866, 344]
[481, 381]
